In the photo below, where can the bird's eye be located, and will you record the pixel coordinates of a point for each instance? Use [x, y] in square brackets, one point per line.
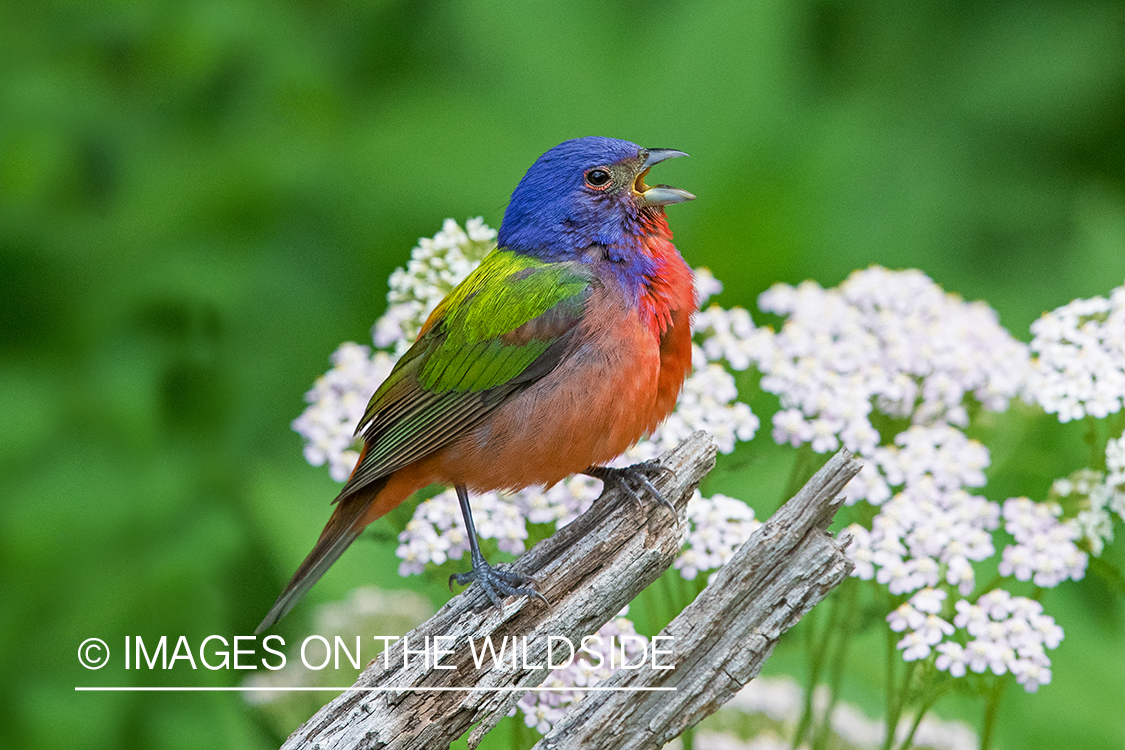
[597, 178]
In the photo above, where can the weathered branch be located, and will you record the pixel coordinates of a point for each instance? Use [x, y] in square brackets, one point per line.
[589, 570]
[723, 637]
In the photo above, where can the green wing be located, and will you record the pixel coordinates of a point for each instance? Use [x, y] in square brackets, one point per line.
[509, 323]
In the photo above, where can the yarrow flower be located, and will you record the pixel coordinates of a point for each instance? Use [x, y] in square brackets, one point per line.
[1080, 364]
[337, 401]
[893, 344]
[1044, 551]
[891, 341]
[731, 336]
[1092, 498]
[1002, 633]
[717, 527]
[436, 532]
[616, 643]
[932, 529]
[920, 617]
[940, 457]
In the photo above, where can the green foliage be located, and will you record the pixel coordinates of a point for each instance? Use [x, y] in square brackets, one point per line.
[199, 200]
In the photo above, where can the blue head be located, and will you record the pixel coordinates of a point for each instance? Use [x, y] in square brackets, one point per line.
[583, 192]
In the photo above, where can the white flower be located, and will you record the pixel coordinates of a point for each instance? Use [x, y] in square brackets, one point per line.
[985, 655]
[436, 266]
[860, 552]
[707, 402]
[706, 285]
[951, 658]
[730, 335]
[1045, 550]
[436, 532]
[906, 616]
[1031, 675]
[1095, 495]
[336, 404]
[1115, 463]
[928, 600]
[1006, 634]
[972, 617]
[886, 340]
[717, 527]
[914, 646]
[1080, 367]
[543, 709]
[934, 629]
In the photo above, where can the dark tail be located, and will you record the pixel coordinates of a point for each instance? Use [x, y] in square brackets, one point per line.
[346, 523]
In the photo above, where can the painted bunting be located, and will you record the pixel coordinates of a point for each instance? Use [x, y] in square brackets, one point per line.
[564, 347]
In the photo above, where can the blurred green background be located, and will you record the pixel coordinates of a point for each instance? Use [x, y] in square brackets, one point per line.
[200, 199]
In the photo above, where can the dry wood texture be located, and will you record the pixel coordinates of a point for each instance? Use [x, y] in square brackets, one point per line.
[589, 570]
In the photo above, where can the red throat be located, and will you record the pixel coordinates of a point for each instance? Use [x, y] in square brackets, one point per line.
[672, 286]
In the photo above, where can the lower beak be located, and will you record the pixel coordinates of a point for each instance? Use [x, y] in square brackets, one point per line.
[659, 195]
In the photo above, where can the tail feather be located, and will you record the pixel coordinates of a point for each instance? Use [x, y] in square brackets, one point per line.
[346, 523]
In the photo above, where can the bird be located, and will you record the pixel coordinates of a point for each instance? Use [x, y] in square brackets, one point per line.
[566, 345]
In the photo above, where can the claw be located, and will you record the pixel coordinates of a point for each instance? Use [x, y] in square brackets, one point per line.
[496, 583]
[637, 474]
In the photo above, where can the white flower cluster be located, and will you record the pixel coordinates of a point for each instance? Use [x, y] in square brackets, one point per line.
[1045, 551]
[1115, 465]
[920, 615]
[1005, 633]
[706, 285]
[591, 665]
[1080, 367]
[717, 527]
[559, 504]
[337, 401]
[436, 532]
[932, 530]
[938, 458]
[435, 267]
[730, 336]
[891, 341]
[709, 402]
[1095, 497]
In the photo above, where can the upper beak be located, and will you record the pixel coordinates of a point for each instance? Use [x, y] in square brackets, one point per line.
[659, 195]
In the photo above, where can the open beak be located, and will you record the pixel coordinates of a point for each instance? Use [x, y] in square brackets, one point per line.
[658, 195]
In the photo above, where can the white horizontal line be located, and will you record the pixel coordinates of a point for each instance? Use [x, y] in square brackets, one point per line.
[276, 689]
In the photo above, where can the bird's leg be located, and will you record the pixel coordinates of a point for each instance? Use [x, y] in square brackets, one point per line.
[632, 478]
[494, 582]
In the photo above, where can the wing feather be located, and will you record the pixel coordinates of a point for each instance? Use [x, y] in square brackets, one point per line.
[502, 329]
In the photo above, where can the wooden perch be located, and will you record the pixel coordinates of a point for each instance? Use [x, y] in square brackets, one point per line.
[589, 570]
[723, 637]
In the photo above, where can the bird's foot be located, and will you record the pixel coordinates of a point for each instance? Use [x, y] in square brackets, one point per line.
[631, 479]
[497, 583]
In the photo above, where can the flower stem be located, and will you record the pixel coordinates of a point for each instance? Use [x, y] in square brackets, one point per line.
[895, 703]
[991, 710]
[1097, 457]
[849, 590]
[816, 648]
[892, 657]
[927, 704]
